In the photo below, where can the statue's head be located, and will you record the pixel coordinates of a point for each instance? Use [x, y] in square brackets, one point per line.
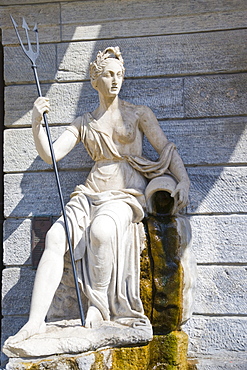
[109, 55]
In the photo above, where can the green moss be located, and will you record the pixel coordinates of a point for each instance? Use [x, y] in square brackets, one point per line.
[131, 358]
[167, 274]
[99, 361]
[170, 351]
[146, 285]
[164, 352]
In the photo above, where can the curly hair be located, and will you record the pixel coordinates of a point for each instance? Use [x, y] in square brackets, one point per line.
[97, 66]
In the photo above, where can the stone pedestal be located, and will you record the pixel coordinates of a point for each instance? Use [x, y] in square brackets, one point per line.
[167, 352]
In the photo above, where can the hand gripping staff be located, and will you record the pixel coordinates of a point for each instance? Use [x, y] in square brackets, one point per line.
[33, 56]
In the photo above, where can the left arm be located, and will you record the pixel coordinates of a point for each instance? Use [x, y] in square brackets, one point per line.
[155, 135]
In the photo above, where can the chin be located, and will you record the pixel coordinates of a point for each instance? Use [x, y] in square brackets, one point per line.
[113, 93]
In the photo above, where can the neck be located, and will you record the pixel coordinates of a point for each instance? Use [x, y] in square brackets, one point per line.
[108, 104]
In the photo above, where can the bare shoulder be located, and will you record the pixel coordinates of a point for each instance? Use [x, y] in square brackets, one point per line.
[141, 111]
[148, 124]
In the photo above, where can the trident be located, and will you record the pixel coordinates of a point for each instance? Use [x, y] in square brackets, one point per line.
[33, 56]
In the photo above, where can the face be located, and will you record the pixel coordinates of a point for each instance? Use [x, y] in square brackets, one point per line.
[110, 81]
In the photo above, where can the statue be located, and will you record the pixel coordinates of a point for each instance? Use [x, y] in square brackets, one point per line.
[104, 213]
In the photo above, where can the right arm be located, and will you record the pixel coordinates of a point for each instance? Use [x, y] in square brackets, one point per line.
[62, 146]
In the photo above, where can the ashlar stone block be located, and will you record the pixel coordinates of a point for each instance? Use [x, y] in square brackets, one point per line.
[220, 95]
[99, 11]
[197, 54]
[218, 190]
[221, 290]
[36, 194]
[226, 241]
[156, 26]
[217, 336]
[17, 68]
[222, 139]
[17, 242]
[21, 154]
[70, 100]
[17, 290]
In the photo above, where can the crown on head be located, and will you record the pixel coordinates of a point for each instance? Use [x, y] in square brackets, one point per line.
[97, 65]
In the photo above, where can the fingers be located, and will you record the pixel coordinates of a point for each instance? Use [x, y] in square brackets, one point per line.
[173, 194]
[42, 105]
[41, 99]
[182, 200]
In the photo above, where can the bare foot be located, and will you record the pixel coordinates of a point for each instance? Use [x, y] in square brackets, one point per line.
[94, 317]
[27, 331]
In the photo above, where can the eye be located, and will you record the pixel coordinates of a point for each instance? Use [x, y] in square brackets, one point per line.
[106, 74]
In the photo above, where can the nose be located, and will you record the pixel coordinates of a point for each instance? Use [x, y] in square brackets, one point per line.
[114, 80]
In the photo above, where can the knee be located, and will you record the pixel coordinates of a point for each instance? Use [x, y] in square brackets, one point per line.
[102, 230]
[56, 239]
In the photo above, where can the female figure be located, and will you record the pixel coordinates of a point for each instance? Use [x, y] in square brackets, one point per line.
[103, 214]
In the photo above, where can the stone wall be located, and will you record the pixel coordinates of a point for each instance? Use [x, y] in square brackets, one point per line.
[186, 60]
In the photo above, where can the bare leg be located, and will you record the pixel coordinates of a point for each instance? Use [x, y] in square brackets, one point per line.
[101, 256]
[48, 277]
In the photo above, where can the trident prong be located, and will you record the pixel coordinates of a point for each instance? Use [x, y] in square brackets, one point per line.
[30, 53]
[35, 29]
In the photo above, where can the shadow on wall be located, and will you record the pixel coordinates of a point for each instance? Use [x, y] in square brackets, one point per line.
[16, 302]
[36, 193]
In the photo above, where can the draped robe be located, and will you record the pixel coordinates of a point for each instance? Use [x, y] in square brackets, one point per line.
[115, 187]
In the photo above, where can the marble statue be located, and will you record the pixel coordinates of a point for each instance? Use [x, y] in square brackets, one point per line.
[104, 213]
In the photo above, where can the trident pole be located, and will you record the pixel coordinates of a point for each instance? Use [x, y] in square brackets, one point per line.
[33, 56]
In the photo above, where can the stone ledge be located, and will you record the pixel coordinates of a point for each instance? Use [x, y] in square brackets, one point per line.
[163, 352]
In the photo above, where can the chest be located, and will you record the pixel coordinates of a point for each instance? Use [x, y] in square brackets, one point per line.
[124, 132]
[122, 129]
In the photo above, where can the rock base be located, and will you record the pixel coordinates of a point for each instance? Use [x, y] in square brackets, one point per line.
[70, 337]
[163, 352]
